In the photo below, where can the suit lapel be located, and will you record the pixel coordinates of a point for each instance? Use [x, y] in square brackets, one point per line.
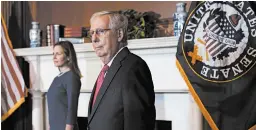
[108, 78]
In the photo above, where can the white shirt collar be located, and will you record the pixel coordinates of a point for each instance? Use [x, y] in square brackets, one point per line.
[111, 61]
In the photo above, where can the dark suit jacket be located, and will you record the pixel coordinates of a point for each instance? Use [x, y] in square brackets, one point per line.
[126, 98]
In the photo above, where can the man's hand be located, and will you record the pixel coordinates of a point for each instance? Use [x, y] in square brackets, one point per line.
[69, 127]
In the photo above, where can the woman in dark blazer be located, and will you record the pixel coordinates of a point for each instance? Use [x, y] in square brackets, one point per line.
[64, 91]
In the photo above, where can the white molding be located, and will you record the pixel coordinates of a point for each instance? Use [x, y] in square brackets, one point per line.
[148, 43]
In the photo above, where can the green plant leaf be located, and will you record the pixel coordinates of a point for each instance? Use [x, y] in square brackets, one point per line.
[141, 24]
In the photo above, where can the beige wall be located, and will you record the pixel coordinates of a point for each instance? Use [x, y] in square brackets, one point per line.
[79, 13]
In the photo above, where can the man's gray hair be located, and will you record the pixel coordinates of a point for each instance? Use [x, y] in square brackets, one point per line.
[117, 21]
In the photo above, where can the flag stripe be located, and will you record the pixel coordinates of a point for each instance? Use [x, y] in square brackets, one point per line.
[215, 48]
[212, 24]
[9, 90]
[9, 102]
[8, 85]
[210, 45]
[9, 75]
[8, 46]
[12, 74]
[4, 105]
[219, 49]
[4, 99]
[14, 67]
[215, 28]
[12, 82]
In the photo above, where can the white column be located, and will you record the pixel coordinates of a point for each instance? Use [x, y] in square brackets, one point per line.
[34, 71]
[46, 115]
[37, 109]
[195, 115]
[37, 94]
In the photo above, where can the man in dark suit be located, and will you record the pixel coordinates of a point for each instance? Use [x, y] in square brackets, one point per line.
[123, 96]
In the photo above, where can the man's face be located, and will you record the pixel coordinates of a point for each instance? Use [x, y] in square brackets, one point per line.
[104, 40]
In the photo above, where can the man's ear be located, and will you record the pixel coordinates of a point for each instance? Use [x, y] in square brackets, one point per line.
[120, 35]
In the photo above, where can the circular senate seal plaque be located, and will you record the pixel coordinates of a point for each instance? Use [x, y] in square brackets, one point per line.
[218, 41]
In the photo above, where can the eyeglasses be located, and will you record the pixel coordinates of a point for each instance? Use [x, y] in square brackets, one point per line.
[98, 32]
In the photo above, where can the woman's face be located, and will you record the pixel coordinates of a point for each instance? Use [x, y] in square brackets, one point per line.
[59, 57]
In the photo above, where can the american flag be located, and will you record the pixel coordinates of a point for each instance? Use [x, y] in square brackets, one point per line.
[218, 31]
[13, 89]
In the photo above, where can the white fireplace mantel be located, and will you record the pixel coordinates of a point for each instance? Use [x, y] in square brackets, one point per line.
[162, 50]
[173, 101]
